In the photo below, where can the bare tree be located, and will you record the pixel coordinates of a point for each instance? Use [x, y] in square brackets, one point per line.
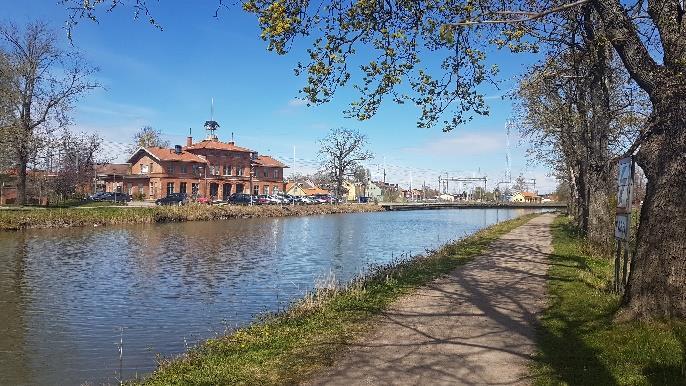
[340, 153]
[72, 158]
[45, 81]
[148, 136]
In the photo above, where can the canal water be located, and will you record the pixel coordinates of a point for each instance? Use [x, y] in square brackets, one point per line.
[69, 298]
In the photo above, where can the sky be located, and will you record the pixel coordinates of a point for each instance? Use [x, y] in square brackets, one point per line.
[167, 78]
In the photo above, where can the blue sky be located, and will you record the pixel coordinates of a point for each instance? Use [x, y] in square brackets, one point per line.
[166, 79]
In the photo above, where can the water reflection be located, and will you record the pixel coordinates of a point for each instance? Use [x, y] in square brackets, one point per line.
[66, 294]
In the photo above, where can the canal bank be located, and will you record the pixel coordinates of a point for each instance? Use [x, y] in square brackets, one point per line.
[68, 293]
[39, 218]
[291, 346]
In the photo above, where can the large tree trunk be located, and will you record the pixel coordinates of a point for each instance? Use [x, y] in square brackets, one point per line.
[657, 282]
[21, 180]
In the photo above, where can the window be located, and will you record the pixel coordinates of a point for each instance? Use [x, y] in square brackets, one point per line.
[265, 172]
[276, 174]
[182, 187]
[184, 168]
[266, 189]
[214, 170]
[170, 168]
[194, 187]
[144, 169]
[239, 171]
[170, 188]
[256, 190]
[227, 170]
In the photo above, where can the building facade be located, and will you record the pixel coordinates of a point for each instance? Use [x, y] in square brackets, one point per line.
[209, 168]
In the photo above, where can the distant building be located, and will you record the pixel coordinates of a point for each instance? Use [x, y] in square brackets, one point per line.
[307, 188]
[209, 168]
[528, 197]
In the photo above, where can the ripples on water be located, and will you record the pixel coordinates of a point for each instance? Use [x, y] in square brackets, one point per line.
[66, 294]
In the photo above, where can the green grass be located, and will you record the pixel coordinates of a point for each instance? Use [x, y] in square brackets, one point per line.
[16, 219]
[580, 344]
[290, 347]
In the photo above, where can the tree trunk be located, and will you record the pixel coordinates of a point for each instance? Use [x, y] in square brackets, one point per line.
[657, 281]
[21, 183]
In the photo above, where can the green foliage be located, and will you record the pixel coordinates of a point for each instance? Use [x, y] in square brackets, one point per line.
[579, 341]
[287, 348]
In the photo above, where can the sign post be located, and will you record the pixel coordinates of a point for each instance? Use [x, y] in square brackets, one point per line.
[625, 181]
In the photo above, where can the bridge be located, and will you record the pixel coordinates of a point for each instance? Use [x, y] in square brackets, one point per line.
[475, 205]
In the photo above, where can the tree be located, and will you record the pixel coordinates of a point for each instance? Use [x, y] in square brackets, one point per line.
[519, 184]
[360, 174]
[340, 153]
[44, 82]
[73, 159]
[578, 111]
[148, 136]
[649, 38]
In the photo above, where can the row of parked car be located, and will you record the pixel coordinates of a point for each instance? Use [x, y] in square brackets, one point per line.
[236, 198]
[247, 199]
[110, 196]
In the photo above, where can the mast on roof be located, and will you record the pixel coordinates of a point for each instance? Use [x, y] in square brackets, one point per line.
[211, 126]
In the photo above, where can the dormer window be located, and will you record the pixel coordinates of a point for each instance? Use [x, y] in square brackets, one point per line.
[144, 169]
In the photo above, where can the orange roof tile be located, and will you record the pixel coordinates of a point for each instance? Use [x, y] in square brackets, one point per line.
[265, 160]
[313, 191]
[216, 145]
[529, 194]
[113, 169]
[164, 154]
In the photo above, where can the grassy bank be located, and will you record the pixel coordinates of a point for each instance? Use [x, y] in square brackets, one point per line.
[76, 217]
[579, 342]
[289, 347]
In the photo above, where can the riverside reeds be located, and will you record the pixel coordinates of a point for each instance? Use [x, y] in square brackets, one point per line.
[289, 347]
[17, 219]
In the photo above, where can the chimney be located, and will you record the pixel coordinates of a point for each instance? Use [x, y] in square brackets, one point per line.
[189, 141]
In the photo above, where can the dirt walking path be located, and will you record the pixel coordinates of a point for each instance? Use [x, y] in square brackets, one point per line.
[475, 326]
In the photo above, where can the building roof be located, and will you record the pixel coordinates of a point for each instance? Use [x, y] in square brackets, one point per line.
[317, 190]
[164, 154]
[217, 145]
[529, 194]
[119, 169]
[267, 161]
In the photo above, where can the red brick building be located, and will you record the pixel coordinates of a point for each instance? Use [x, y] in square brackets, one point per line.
[209, 168]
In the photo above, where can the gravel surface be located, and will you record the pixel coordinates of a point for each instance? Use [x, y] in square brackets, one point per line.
[475, 326]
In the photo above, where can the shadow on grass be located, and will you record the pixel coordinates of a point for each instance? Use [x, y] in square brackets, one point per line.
[579, 342]
[672, 374]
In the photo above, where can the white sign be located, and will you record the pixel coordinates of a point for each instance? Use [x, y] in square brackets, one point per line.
[624, 183]
[622, 226]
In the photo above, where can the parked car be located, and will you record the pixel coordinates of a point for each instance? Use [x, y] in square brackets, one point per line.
[263, 199]
[173, 199]
[96, 196]
[317, 200]
[325, 198]
[114, 197]
[203, 200]
[239, 198]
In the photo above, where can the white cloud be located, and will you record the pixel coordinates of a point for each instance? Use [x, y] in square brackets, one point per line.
[297, 102]
[462, 144]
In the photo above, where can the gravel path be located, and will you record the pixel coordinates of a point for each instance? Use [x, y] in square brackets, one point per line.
[475, 326]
